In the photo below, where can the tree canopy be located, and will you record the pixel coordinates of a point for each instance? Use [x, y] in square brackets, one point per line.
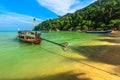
[101, 15]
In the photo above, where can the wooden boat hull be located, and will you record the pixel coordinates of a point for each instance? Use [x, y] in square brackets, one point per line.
[99, 32]
[29, 36]
[30, 40]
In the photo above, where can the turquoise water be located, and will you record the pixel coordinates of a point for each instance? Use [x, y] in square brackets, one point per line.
[20, 60]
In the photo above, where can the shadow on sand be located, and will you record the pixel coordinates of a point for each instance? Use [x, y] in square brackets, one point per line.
[61, 76]
[104, 54]
[115, 40]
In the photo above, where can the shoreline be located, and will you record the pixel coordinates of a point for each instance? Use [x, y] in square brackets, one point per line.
[114, 34]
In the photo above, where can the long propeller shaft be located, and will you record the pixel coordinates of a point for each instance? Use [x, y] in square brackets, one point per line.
[63, 45]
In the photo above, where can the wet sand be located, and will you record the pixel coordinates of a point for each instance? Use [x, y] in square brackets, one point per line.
[96, 58]
[103, 61]
[106, 65]
[100, 62]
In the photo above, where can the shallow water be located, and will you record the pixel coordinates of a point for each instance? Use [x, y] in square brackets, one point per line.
[19, 60]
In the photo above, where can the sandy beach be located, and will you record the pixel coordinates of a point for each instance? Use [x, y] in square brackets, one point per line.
[91, 66]
[88, 57]
[106, 65]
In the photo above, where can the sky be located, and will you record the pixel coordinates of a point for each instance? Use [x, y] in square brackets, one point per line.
[16, 14]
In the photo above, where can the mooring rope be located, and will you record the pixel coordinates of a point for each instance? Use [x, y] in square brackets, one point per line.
[82, 63]
[100, 69]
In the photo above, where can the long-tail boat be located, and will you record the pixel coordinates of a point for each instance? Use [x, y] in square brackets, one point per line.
[99, 32]
[29, 36]
[34, 37]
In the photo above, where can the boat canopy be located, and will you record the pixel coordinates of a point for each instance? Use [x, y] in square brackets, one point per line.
[29, 31]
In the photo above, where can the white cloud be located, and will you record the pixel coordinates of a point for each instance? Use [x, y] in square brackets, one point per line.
[93, 1]
[62, 7]
[14, 20]
[57, 6]
[15, 17]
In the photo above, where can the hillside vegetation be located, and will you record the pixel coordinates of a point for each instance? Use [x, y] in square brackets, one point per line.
[101, 15]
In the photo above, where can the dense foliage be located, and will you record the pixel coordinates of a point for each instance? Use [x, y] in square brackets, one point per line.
[101, 15]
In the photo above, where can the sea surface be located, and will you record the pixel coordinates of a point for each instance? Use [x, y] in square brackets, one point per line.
[19, 60]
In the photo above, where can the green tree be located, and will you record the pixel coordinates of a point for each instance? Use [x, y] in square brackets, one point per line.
[115, 24]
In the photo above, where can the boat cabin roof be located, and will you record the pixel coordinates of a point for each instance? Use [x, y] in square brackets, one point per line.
[28, 31]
